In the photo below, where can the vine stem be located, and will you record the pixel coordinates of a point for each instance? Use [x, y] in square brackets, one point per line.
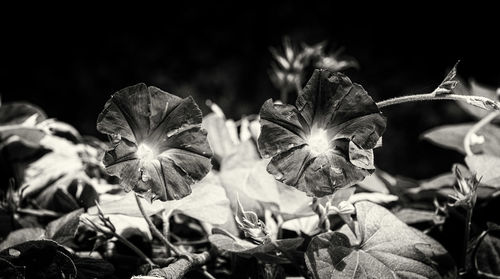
[111, 230]
[467, 140]
[433, 96]
[468, 221]
[155, 230]
[134, 248]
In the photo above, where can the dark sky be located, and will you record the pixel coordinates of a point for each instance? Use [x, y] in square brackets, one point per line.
[70, 65]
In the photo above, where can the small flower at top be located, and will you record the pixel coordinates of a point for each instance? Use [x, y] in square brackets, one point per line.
[159, 148]
[465, 188]
[287, 69]
[325, 141]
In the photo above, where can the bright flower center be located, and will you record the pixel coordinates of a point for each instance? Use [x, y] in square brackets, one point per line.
[318, 141]
[145, 152]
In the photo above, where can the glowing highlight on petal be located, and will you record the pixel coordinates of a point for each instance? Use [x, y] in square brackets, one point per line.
[318, 141]
[145, 153]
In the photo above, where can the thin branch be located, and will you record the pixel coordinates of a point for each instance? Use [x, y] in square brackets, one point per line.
[155, 230]
[207, 274]
[467, 140]
[179, 268]
[39, 212]
[134, 248]
[110, 231]
[472, 100]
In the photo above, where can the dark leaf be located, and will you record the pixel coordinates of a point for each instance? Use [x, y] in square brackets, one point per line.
[488, 253]
[19, 113]
[89, 268]
[415, 216]
[20, 143]
[268, 252]
[63, 230]
[38, 259]
[22, 235]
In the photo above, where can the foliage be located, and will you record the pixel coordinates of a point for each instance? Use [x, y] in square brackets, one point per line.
[291, 191]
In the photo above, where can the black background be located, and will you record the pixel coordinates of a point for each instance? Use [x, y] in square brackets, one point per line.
[70, 64]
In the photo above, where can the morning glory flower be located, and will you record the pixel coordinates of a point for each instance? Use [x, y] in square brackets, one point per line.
[159, 148]
[325, 141]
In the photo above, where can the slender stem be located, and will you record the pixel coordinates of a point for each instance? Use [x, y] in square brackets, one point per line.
[207, 274]
[433, 97]
[111, 230]
[467, 140]
[468, 220]
[134, 248]
[298, 86]
[283, 95]
[165, 216]
[39, 212]
[155, 230]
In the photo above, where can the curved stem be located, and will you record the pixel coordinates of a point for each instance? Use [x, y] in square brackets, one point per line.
[155, 230]
[467, 140]
[110, 229]
[472, 100]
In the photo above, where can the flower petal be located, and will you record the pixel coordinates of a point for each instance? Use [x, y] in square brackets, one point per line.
[164, 103]
[177, 181]
[193, 140]
[360, 157]
[332, 101]
[186, 115]
[282, 128]
[288, 167]
[197, 166]
[365, 131]
[128, 172]
[331, 171]
[126, 114]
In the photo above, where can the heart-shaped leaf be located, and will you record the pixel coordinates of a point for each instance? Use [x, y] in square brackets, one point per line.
[384, 247]
[486, 167]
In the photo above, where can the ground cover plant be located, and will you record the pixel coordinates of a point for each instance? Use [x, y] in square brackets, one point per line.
[291, 191]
